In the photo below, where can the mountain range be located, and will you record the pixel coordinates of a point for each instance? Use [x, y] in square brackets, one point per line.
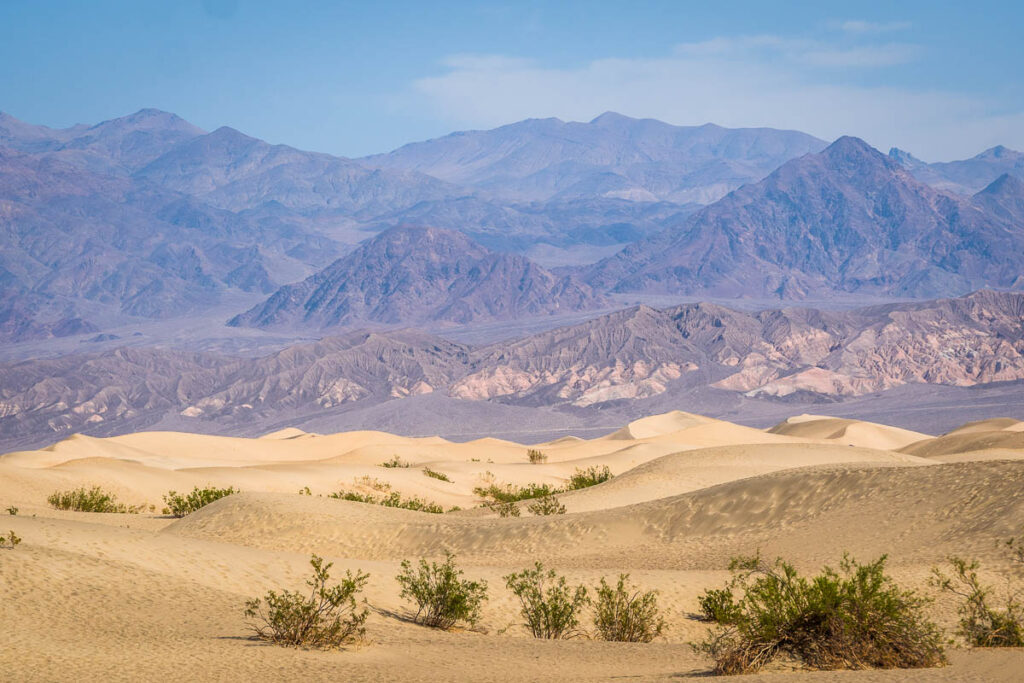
[150, 217]
[688, 355]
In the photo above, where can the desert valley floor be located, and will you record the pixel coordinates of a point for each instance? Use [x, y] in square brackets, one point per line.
[108, 597]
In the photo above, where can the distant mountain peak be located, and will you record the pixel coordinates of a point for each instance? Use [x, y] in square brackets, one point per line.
[1004, 184]
[999, 152]
[610, 117]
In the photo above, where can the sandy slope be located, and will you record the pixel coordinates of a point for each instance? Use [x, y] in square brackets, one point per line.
[143, 597]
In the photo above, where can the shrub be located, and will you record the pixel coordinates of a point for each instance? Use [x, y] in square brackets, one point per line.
[394, 462]
[434, 474]
[856, 618]
[372, 482]
[548, 605]
[181, 505]
[90, 500]
[504, 509]
[304, 491]
[327, 618]
[10, 540]
[442, 597]
[392, 500]
[12, 510]
[981, 624]
[510, 494]
[591, 476]
[718, 605]
[625, 614]
[536, 457]
[546, 505]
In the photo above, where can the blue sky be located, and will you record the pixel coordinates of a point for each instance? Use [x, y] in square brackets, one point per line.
[940, 79]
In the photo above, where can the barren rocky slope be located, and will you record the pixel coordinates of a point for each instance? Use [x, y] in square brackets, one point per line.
[801, 355]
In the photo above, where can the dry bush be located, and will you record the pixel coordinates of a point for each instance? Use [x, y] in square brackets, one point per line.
[394, 462]
[90, 500]
[591, 476]
[180, 505]
[10, 541]
[391, 500]
[981, 623]
[856, 618]
[548, 605]
[536, 457]
[442, 597]
[546, 505]
[434, 474]
[626, 614]
[326, 618]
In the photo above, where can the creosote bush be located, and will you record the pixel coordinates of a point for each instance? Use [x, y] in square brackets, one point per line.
[856, 618]
[10, 540]
[536, 457]
[434, 474]
[442, 597]
[180, 505]
[546, 505]
[981, 623]
[510, 494]
[624, 613]
[548, 605]
[90, 500]
[394, 462]
[591, 476]
[328, 617]
[391, 500]
[504, 509]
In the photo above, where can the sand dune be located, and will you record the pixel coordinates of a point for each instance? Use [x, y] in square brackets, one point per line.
[850, 432]
[144, 597]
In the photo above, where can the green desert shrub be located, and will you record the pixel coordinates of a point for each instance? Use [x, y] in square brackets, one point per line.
[504, 509]
[442, 597]
[180, 505]
[536, 457]
[434, 474]
[328, 617]
[548, 605]
[94, 499]
[591, 476]
[510, 494]
[12, 510]
[854, 618]
[624, 613]
[393, 499]
[10, 540]
[546, 505]
[718, 605]
[394, 462]
[982, 624]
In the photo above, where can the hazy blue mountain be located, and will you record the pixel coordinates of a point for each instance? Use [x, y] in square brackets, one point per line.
[411, 274]
[848, 219]
[965, 176]
[612, 156]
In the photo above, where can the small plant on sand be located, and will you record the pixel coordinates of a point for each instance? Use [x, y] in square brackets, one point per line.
[546, 505]
[328, 617]
[394, 462]
[510, 493]
[854, 618]
[180, 505]
[372, 483]
[9, 541]
[981, 623]
[536, 457]
[442, 597]
[90, 500]
[434, 474]
[624, 613]
[391, 500]
[591, 476]
[304, 491]
[503, 508]
[12, 510]
[549, 606]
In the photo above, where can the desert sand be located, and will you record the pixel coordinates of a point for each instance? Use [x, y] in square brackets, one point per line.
[145, 597]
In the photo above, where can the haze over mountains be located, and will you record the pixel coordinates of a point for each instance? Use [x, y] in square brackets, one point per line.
[149, 217]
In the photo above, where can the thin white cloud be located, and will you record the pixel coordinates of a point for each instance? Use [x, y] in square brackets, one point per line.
[858, 26]
[737, 82]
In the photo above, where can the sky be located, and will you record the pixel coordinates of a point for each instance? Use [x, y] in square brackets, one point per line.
[941, 80]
